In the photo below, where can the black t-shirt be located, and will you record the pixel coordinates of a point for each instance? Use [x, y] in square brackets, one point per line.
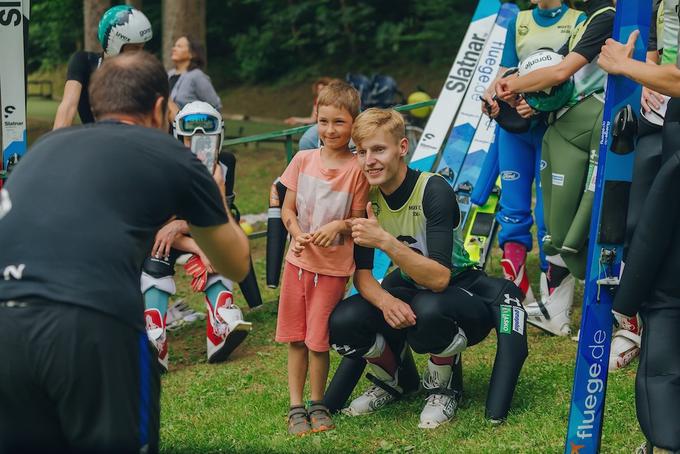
[441, 212]
[80, 68]
[86, 203]
[597, 32]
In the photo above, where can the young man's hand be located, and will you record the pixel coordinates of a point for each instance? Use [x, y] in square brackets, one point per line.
[367, 232]
[397, 313]
[326, 235]
[300, 242]
[614, 55]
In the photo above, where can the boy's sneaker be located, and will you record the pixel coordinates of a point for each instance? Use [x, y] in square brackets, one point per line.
[514, 268]
[553, 314]
[225, 329]
[444, 397]
[298, 421]
[155, 331]
[319, 417]
[625, 344]
[385, 389]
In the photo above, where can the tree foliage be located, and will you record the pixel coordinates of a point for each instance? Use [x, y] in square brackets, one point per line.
[261, 40]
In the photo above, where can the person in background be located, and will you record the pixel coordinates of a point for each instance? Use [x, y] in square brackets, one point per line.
[121, 29]
[311, 119]
[189, 82]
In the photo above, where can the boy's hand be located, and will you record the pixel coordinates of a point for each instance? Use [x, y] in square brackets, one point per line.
[164, 239]
[300, 242]
[326, 235]
[367, 232]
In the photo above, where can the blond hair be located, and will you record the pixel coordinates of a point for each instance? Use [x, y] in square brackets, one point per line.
[373, 119]
[341, 95]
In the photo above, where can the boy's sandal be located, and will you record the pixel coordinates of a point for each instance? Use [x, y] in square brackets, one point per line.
[298, 422]
[320, 417]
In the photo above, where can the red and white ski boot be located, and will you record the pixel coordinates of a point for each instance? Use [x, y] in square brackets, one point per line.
[225, 329]
[625, 343]
[155, 330]
[553, 313]
[514, 268]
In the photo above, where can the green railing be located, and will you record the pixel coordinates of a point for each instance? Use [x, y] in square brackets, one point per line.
[288, 134]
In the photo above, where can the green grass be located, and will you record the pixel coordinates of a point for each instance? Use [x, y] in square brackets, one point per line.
[241, 405]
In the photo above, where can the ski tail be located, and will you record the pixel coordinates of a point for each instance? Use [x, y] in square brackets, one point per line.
[456, 85]
[605, 249]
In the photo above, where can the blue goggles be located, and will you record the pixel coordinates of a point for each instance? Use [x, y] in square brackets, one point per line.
[192, 123]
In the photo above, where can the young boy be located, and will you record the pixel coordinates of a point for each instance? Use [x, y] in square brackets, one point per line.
[324, 188]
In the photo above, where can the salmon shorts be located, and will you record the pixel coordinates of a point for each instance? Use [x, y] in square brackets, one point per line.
[305, 305]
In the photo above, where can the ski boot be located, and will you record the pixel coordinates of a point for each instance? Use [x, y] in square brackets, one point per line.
[225, 329]
[553, 313]
[625, 343]
[445, 391]
[514, 268]
[155, 331]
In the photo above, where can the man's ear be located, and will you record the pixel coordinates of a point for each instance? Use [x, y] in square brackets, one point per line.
[160, 114]
[403, 147]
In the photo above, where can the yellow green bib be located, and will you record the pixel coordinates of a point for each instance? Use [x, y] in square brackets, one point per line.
[591, 78]
[530, 36]
[409, 225]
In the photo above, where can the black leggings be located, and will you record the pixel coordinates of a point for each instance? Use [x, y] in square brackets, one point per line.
[474, 302]
[657, 385]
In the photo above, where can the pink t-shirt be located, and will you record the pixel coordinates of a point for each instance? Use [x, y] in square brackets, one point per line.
[325, 195]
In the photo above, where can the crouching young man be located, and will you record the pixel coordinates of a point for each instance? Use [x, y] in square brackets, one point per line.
[429, 302]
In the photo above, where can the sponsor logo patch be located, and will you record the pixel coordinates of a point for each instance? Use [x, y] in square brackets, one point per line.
[523, 30]
[510, 175]
[506, 319]
[544, 164]
[518, 320]
[557, 179]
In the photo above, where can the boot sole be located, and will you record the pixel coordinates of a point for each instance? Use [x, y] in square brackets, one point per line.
[546, 330]
[233, 340]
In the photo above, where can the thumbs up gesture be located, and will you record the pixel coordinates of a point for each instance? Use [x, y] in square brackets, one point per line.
[614, 56]
[367, 232]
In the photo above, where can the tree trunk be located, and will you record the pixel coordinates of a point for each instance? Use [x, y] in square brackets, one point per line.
[92, 13]
[182, 17]
[135, 4]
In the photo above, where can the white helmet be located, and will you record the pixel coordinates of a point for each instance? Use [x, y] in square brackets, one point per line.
[203, 123]
[122, 25]
[552, 98]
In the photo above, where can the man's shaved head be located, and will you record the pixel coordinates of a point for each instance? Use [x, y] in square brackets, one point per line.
[128, 84]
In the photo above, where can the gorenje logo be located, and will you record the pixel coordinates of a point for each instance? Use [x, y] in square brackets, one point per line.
[458, 81]
[10, 11]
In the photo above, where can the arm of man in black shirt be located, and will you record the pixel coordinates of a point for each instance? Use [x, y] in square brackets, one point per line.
[75, 78]
[225, 245]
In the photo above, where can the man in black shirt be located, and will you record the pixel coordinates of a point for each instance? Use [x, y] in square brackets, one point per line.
[433, 301]
[77, 220]
[121, 29]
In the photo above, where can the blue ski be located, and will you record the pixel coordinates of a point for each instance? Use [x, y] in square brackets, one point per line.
[607, 232]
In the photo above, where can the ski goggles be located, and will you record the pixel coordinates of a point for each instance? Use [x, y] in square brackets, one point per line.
[192, 123]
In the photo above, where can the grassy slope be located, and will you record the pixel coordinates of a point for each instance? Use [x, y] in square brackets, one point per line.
[240, 406]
